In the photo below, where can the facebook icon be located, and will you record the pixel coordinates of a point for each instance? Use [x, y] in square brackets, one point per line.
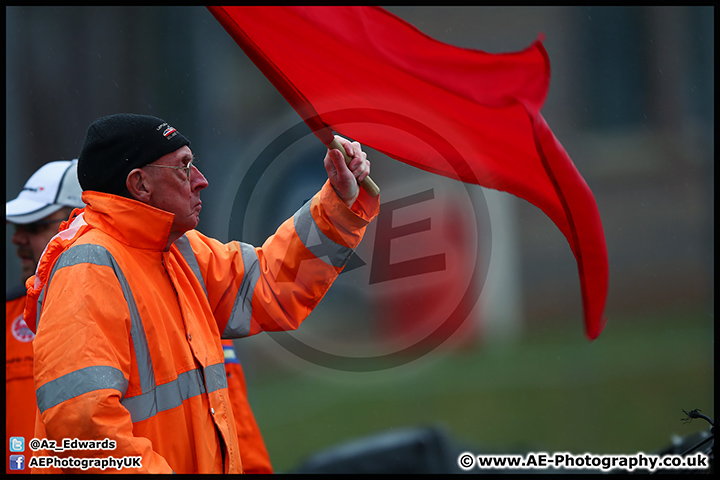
[17, 462]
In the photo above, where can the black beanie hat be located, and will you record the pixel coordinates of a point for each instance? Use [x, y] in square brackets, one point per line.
[116, 144]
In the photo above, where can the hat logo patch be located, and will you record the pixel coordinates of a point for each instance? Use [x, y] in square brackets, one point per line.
[169, 132]
[34, 189]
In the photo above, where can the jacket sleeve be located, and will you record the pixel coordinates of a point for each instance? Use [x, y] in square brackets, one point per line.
[80, 399]
[275, 287]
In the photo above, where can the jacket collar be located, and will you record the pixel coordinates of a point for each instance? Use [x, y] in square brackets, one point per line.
[128, 221]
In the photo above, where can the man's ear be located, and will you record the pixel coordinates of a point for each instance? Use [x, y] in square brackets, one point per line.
[138, 184]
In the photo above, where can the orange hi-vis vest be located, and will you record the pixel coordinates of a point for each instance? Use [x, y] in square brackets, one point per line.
[20, 402]
[19, 388]
[128, 335]
[254, 454]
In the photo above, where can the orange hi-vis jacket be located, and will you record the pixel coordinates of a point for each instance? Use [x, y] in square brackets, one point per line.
[254, 454]
[19, 387]
[20, 403]
[136, 356]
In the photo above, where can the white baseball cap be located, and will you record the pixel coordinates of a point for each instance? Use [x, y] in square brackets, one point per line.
[54, 186]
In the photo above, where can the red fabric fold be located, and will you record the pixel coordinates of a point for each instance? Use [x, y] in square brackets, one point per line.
[462, 113]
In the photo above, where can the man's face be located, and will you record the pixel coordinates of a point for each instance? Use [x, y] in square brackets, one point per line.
[32, 238]
[172, 190]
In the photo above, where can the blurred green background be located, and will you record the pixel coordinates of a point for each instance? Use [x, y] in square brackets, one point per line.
[631, 99]
[549, 392]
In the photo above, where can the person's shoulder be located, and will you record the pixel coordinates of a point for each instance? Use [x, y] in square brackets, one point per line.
[13, 293]
[205, 247]
[197, 238]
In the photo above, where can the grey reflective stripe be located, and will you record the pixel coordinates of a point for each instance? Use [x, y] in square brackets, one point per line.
[76, 383]
[97, 255]
[316, 241]
[238, 324]
[215, 378]
[183, 245]
[172, 394]
[164, 397]
[38, 308]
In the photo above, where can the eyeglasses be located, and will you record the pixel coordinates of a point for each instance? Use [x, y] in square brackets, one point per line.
[186, 167]
[37, 227]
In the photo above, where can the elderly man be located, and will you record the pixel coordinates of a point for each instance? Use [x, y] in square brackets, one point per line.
[136, 359]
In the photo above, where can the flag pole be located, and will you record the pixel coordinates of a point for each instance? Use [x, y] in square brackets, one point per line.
[367, 184]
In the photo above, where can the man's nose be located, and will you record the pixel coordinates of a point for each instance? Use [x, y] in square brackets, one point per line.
[198, 179]
[20, 236]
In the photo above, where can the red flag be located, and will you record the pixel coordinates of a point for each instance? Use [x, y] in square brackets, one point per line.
[461, 113]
